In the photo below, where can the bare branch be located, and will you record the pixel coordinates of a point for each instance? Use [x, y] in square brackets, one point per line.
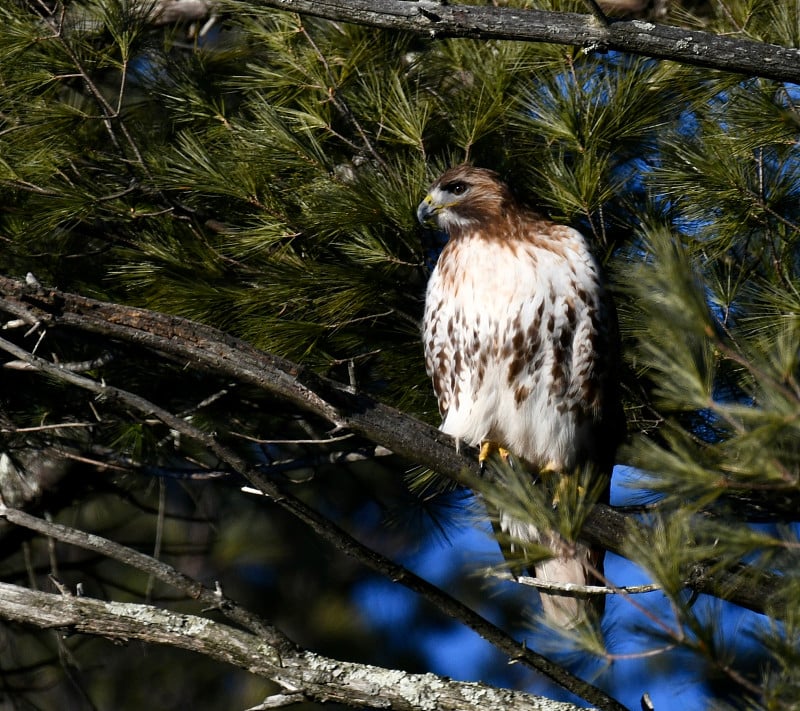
[299, 672]
[44, 428]
[278, 701]
[80, 367]
[211, 350]
[166, 573]
[573, 589]
[597, 11]
[427, 17]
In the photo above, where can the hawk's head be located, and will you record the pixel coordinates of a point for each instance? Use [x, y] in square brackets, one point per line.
[464, 196]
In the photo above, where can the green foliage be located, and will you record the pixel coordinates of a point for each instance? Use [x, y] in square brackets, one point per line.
[264, 180]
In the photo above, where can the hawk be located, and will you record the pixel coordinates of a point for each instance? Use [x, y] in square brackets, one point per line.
[520, 343]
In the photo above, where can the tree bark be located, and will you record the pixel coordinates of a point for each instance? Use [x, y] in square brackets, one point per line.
[208, 349]
[434, 19]
[299, 672]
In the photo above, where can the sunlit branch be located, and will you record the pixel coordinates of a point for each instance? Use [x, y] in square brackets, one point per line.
[434, 19]
[574, 589]
[299, 672]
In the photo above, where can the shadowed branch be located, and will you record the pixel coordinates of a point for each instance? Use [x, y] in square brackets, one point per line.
[303, 674]
[210, 350]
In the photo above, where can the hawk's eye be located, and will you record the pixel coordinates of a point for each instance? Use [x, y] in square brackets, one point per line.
[457, 187]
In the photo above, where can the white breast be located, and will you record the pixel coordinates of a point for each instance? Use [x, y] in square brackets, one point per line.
[500, 333]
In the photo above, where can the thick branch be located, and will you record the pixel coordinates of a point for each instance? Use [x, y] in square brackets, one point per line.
[315, 677]
[322, 526]
[206, 348]
[694, 47]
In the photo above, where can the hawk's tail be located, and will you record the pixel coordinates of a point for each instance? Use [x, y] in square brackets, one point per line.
[577, 564]
[580, 568]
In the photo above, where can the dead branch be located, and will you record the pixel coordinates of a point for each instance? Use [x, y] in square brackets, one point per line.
[299, 672]
[435, 19]
[208, 349]
[214, 599]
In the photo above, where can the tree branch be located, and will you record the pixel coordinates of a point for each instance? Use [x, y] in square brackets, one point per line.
[214, 599]
[427, 17]
[316, 677]
[322, 526]
[209, 349]
[597, 11]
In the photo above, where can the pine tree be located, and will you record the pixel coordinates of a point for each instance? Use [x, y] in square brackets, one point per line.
[261, 177]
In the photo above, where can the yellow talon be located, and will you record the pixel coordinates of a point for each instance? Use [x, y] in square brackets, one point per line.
[488, 448]
[562, 489]
[550, 468]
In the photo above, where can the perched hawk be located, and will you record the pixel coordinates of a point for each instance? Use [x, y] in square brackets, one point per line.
[520, 342]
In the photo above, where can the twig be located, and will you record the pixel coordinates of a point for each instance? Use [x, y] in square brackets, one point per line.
[340, 105]
[213, 351]
[278, 701]
[597, 11]
[146, 564]
[325, 440]
[44, 428]
[77, 367]
[159, 536]
[281, 466]
[333, 534]
[574, 589]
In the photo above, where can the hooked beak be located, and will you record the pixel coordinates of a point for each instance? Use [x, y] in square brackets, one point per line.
[426, 213]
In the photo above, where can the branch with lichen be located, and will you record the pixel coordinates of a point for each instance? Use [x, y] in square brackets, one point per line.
[439, 20]
[301, 674]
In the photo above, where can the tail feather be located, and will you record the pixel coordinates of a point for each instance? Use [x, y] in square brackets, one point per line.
[581, 567]
[561, 610]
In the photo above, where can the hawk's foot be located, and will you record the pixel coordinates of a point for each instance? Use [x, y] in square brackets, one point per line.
[562, 490]
[488, 448]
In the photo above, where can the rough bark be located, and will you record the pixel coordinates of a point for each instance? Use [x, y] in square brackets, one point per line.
[301, 673]
[649, 39]
[593, 32]
[210, 350]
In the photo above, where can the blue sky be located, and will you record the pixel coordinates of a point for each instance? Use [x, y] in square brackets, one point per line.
[672, 679]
